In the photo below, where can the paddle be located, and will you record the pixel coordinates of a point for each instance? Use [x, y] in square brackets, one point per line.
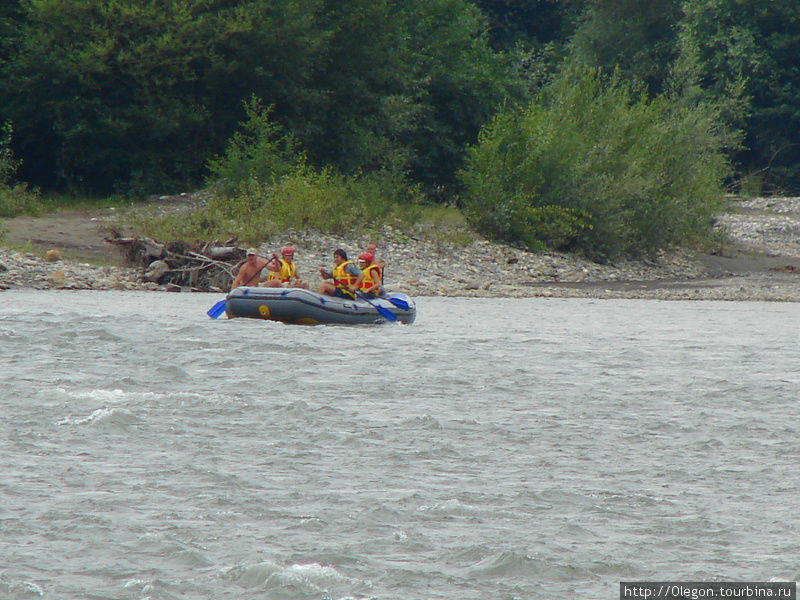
[384, 312]
[216, 311]
[399, 303]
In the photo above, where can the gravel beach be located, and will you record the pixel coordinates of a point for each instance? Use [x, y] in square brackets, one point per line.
[760, 261]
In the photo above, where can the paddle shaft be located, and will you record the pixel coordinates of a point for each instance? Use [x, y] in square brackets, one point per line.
[398, 302]
[384, 312]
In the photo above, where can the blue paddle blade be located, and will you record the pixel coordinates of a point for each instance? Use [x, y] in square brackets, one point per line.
[216, 310]
[399, 303]
[384, 312]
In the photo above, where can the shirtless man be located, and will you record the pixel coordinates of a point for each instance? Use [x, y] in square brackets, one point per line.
[250, 272]
[371, 249]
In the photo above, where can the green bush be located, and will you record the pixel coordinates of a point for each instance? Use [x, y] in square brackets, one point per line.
[19, 200]
[15, 198]
[264, 185]
[258, 150]
[304, 198]
[8, 162]
[589, 167]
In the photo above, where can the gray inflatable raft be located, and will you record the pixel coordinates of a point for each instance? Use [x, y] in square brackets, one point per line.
[295, 305]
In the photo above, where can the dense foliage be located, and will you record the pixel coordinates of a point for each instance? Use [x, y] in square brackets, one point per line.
[634, 37]
[532, 23]
[140, 96]
[112, 94]
[264, 185]
[589, 166]
[303, 197]
[745, 54]
[15, 197]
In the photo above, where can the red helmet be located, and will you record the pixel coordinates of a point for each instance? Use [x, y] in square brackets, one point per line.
[365, 256]
[287, 250]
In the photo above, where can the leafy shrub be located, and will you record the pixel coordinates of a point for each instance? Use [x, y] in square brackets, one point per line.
[8, 162]
[15, 198]
[590, 167]
[303, 198]
[19, 200]
[258, 150]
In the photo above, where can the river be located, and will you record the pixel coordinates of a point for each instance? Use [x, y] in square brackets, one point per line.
[514, 449]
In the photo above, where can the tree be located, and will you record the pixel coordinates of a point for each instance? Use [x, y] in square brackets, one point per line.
[109, 94]
[405, 86]
[636, 37]
[743, 54]
[115, 95]
[10, 14]
[457, 84]
[532, 23]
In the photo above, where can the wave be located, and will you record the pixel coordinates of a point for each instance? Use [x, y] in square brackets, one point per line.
[106, 418]
[20, 589]
[107, 396]
[173, 373]
[423, 422]
[520, 566]
[454, 507]
[130, 398]
[165, 545]
[299, 580]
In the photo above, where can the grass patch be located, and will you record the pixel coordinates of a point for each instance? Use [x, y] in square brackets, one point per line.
[444, 224]
[24, 248]
[18, 200]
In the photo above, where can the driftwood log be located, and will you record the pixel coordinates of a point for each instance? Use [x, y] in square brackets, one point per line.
[202, 266]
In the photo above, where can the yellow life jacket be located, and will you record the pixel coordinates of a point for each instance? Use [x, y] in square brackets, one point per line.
[286, 273]
[367, 282]
[342, 277]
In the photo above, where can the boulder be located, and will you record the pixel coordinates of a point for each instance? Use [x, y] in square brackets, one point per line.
[57, 278]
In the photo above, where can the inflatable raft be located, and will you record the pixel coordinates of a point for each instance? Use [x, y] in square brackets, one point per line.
[295, 305]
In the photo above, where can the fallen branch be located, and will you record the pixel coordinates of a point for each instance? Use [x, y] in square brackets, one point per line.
[202, 266]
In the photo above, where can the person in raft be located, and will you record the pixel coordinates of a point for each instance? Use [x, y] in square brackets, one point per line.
[283, 271]
[344, 274]
[250, 272]
[372, 248]
[369, 282]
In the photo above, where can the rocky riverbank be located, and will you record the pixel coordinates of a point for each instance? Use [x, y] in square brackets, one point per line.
[759, 261]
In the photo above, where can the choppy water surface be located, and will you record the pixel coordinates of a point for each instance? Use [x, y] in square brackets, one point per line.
[494, 449]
